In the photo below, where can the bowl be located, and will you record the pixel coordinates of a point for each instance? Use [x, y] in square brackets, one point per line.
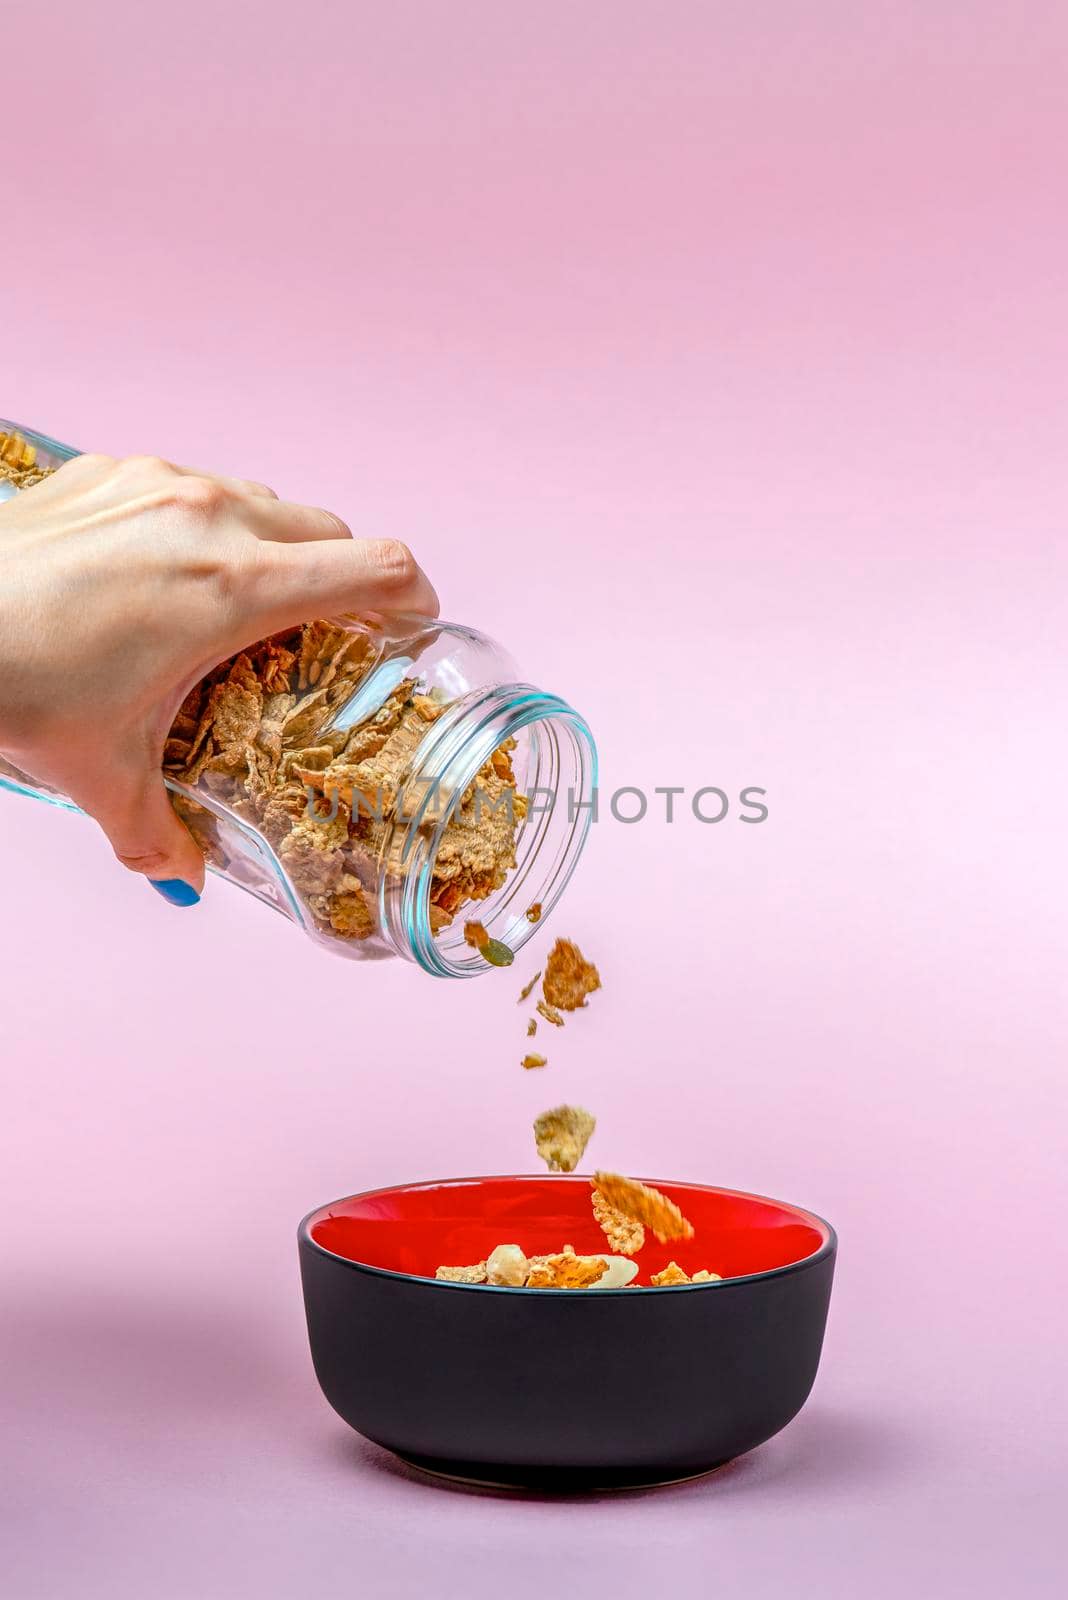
[562, 1388]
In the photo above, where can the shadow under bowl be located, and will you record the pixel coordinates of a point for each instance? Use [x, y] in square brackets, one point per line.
[562, 1389]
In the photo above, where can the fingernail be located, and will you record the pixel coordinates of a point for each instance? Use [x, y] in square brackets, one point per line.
[176, 890]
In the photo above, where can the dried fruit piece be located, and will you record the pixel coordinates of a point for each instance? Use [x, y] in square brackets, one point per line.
[643, 1204]
[562, 1135]
[497, 954]
[566, 1270]
[569, 977]
[534, 1061]
[706, 1277]
[671, 1275]
[620, 1273]
[622, 1232]
[475, 935]
[533, 913]
[507, 1266]
[549, 1014]
[532, 1027]
[475, 1274]
[529, 988]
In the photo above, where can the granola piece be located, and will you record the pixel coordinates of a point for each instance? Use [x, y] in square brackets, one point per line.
[507, 1266]
[549, 1014]
[276, 708]
[622, 1232]
[304, 720]
[475, 935]
[561, 1136]
[283, 809]
[706, 1277]
[371, 737]
[311, 854]
[475, 1274]
[528, 989]
[308, 765]
[566, 1270]
[533, 913]
[643, 1204]
[348, 911]
[324, 648]
[237, 707]
[430, 710]
[229, 718]
[532, 1027]
[183, 729]
[18, 462]
[532, 1061]
[276, 668]
[569, 977]
[367, 764]
[478, 848]
[671, 1275]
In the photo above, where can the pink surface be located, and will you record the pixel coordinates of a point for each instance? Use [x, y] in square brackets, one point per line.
[713, 357]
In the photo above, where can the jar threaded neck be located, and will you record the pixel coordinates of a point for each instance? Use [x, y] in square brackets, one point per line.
[560, 778]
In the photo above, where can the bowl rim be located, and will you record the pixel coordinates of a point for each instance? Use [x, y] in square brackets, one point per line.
[828, 1246]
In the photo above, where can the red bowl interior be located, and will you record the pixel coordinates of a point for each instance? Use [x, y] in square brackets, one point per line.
[419, 1227]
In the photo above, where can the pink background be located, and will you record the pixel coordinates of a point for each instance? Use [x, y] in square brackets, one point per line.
[713, 357]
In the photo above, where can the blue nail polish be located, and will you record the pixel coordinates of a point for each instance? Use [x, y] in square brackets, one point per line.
[176, 890]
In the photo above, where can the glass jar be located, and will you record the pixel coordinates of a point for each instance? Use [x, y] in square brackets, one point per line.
[387, 782]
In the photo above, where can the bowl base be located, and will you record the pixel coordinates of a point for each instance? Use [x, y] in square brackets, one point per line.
[555, 1480]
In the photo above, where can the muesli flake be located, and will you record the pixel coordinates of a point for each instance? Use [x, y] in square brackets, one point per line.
[561, 1136]
[643, 1204]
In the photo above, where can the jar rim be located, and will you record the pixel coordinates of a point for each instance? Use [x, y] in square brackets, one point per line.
[550, 838]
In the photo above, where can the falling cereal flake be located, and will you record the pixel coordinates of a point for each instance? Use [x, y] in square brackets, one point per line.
[534, 1061]
[524, 993]
[569, 977]
[643, 1204]
[562, 1135]
[621, 1231]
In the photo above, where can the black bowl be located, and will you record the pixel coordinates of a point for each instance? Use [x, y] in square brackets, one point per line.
[562, 1389]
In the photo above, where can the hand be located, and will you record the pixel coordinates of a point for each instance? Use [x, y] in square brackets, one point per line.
[121, 584]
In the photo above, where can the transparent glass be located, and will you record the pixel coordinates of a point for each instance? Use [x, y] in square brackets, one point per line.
[383, 782]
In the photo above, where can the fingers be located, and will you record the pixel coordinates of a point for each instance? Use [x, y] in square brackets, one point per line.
[272, 518]
[267, 518]
[249, 486]
[307, 564]
[290, 523]
[325, 578]
[134, 810]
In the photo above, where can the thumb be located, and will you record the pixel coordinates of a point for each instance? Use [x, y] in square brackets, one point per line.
[134, 810]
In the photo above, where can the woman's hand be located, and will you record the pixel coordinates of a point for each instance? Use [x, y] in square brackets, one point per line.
[121, 584]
